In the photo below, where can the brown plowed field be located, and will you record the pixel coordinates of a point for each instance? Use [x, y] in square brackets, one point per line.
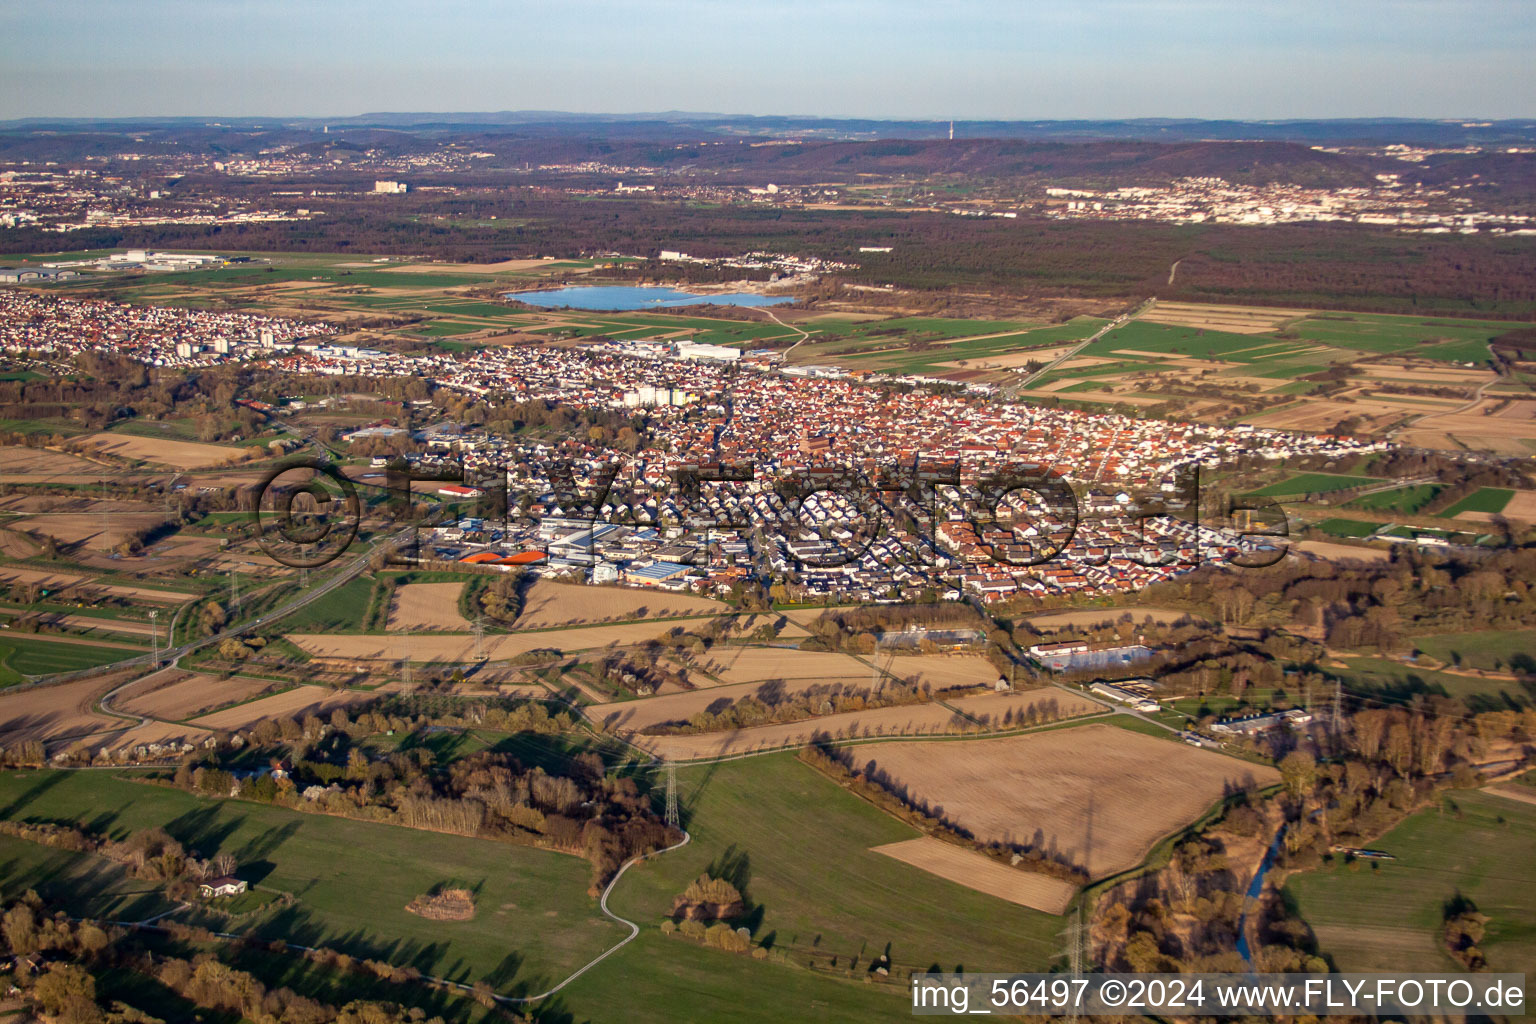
[55, 712]
[759, 664]
[550, 604]
[181, 454]
[429, 606]
[1095, 616]
[980, 872]
[294, 703]
[933, 719]
[452, 647]
[12, 574]
[1099, 795]
[185, 694]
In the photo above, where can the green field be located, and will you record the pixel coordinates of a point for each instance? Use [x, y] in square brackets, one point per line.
[1490, 650]
[1193, 342]
[802, 844]
[1477, 845]
[1383, 679]
[342, 610]
[1484, 499]
[1346, 527]
[1461, 341]
[534, 922]
[1407, 500]
[21, 655]
[1314, 483]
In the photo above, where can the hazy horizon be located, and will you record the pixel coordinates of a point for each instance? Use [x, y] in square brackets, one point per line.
[897, 60]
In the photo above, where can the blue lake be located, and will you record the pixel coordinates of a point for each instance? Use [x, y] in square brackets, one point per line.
[621, 297]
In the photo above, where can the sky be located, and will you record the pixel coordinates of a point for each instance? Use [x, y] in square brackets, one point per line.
[961, 59]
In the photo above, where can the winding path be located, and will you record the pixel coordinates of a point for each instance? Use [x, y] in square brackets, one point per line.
[634, 929]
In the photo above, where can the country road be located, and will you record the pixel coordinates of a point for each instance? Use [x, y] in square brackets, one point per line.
[804, 334]
[1119, 321]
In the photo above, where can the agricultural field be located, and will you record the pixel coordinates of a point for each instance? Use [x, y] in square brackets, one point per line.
[176, 695]
[1336, 527]
[64, 585]
[426, 606]
[23, 655]
[1100, 796]
[760, 664]
[1388, 916]
[1488, 500]
[1314, 483]
[1382, 679]
[342, 609]
[1100, 616]
[537, 924]
[162, 451]
[55, 712]
[454, 647]
[1407, 500]
[294, 703]
[1521, 505]
[981, 713]
[547, 604]
[1489, 650]
[828, 894]
[980, 872]
[41, 465]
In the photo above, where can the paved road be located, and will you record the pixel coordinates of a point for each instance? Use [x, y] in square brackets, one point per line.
[1119, 321]
[1477, 396]
[174, 654]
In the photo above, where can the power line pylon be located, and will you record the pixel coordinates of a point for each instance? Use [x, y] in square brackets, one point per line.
[674, 820]
[154, 638]
[407, 672]
[1075, 957]
[479, 631]
[234, 591]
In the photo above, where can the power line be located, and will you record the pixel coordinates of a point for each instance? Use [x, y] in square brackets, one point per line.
[674, 820]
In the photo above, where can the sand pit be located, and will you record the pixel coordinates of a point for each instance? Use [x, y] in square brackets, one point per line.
[966, 715]
[1097, 795]
[294, 703]
[980, 872]
[427, 606]
[549, 604]
[180, 454]
[177, 695]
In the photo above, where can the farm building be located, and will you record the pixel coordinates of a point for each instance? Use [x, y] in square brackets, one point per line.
[1122, 695]
[1072, 656]
[1252, 724]
[224, 885]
